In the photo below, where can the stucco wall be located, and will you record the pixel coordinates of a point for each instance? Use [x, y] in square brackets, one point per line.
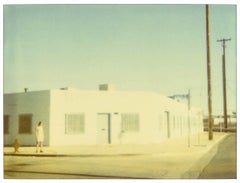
[35, 103]
[149, 106]
[50, 107]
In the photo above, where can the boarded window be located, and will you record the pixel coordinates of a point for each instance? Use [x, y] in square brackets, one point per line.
[74, 123]
[6, 124]
[130, 122]
[25, 124]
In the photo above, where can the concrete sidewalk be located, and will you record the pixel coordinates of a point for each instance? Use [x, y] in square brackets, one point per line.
[180, 160]
[198, 143]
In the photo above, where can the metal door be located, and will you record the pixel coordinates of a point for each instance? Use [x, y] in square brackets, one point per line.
[103, 129]
[167, 122]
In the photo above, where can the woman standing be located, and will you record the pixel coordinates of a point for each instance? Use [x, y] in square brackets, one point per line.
[39, 137]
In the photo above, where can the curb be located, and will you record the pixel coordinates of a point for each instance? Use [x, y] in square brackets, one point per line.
[194, 171]
[71, 155]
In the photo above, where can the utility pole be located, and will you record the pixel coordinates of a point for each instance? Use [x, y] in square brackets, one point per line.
[224, 82]
[210, 121]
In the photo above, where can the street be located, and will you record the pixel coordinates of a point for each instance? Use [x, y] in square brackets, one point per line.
[147, 166]
[164, 161]
[223, 165]
[128, 166]
[68, 167]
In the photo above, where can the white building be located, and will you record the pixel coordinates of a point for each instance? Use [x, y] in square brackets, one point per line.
[232, 120]
[74, 117]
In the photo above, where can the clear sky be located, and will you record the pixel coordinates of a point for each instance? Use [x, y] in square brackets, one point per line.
[160, 48]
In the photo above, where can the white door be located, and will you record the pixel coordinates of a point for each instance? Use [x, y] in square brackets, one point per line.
[103, 128]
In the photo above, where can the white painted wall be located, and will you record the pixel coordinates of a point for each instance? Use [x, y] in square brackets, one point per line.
[36, 103]
[50, 107]
[150, 107]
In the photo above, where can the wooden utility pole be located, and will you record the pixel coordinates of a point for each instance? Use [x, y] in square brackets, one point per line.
[224, 83]
[210, 121]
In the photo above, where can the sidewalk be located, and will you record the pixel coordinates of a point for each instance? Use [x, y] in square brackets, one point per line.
[180, 160]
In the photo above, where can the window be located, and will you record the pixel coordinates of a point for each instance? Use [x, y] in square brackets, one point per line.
[130, 122]
[6, 124]
[74, 123]
[25, 124]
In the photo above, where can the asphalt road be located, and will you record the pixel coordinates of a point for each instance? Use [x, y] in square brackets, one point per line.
[146, 166]
[84, 167]
[223, 165]
[121, 167]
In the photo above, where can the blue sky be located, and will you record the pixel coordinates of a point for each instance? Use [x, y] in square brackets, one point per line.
[159, 48]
